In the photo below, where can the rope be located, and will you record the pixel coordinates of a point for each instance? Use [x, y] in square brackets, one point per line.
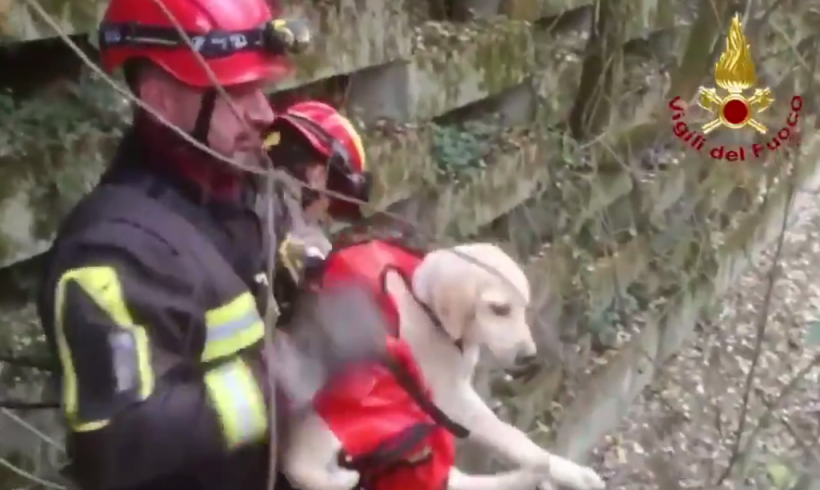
[25, 474]
[22, 423]
[278, 184]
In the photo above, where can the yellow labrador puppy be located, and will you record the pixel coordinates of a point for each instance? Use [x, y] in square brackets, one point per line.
[480, 295]
[457, 301]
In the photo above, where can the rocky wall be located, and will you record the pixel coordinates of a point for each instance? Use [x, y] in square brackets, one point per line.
[419, 83]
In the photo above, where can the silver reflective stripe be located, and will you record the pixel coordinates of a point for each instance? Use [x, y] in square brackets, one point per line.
[238, 407]
[223, 331]
[125, 359]
[243, 410]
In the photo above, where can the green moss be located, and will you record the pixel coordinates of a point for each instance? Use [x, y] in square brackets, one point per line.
[350, 36]
[505, 57]
[485, 57]
[23, 24]
[522, 9]
[55, 149]
[401, 161]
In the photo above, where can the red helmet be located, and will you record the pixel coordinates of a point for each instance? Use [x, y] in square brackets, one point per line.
[239, 39]
[334, 137]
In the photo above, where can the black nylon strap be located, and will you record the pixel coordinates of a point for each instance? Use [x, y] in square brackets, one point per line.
[389, 454]
[277, 38]
[215, 44]
[409, 384]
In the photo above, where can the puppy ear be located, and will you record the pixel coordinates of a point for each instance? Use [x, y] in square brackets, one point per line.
[454, 302]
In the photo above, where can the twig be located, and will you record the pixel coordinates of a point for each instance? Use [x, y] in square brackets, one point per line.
[762, 324]
[787, 390]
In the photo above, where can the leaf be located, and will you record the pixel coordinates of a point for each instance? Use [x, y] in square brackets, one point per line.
[780, 475]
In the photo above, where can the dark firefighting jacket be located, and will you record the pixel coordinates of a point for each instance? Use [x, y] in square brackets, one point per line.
[157, 322]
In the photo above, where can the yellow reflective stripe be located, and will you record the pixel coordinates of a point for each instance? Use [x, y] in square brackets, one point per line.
[238, 402]
[232, 327]
[356, 139]
[89, 426]
[103, 286]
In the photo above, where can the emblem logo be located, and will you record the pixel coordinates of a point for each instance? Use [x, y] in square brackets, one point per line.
[735, 73]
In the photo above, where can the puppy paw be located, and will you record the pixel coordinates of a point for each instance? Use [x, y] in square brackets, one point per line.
[344, 479]
[566, 473]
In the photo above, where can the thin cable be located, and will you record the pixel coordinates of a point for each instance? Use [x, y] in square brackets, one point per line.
[22, 423]
[25, 474]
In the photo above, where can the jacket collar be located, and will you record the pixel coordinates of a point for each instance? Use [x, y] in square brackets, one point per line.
[150, 147]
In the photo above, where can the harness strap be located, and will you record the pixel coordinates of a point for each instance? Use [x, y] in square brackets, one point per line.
[412, 387]
[431, 315]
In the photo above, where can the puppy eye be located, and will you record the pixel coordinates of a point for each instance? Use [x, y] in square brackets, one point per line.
[500, 309]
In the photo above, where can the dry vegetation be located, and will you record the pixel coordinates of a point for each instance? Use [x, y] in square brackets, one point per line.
[746, 363]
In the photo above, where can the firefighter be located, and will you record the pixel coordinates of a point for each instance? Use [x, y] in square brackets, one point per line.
[154, 289]
[321, 148]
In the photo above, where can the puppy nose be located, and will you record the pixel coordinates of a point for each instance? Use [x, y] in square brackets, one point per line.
[525, 359]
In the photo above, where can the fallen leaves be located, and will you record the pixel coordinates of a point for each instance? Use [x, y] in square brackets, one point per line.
[691, 415]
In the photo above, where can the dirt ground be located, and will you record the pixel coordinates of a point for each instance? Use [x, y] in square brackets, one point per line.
[684, 431]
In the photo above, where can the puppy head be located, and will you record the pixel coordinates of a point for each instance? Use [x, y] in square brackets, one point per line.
[481, 296]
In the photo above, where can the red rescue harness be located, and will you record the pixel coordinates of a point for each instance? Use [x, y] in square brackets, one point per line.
[390, 429]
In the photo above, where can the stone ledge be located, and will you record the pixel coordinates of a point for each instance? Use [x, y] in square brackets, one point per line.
[19, 23]
[350, 34]
[558, 75]
[507, 182]
[401, 162]
[17, 237]
[628, 263]
[647, 16]
[453, 66]
[452, 71]
[353, 36]
[533, 10]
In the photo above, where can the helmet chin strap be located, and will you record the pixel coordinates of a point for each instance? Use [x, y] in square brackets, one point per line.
[202, 126]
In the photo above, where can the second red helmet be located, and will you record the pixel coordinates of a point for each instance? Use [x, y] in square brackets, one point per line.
[333, 136]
